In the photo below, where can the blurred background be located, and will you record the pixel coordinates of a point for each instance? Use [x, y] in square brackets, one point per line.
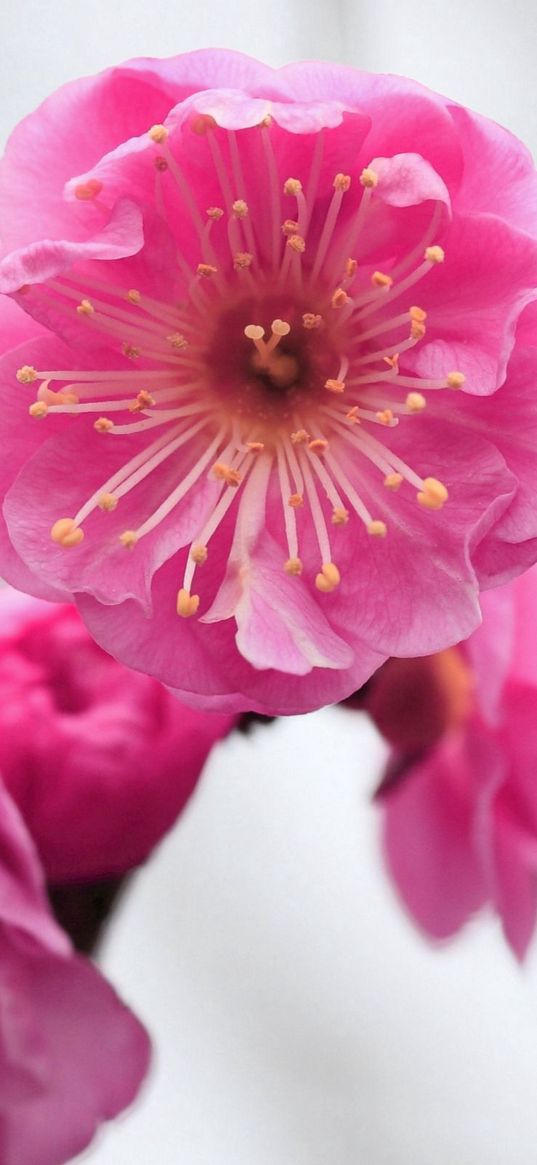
[298, 1017]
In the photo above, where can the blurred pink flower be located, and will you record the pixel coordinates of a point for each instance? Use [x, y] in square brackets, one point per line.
[99, 759]
[71, 1055]
[459, 803]
[252, 294]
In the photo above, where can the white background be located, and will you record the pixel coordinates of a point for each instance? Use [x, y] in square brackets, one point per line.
[298, 1017]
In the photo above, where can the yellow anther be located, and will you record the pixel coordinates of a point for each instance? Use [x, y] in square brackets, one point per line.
[242, 260]
[369, 178]
[290, 226]
[254, 332]
[133, 295]
[293, 187]
[128, 539]
[340, 516]
[393, 481]
[434, 494]
[206, 270]
[202, 124]
[280, 327]
[215, 212]
[297, 244]
[353, 415]
[240, 208]
[226, 473]
[158, 134]
[385, 416]
[255, 446]
[299, 437]
[379, 279]
[417, 330]
[392, 361]
[160, 163]
[334, 385]
[187, 604]
[199, 554]
[311, 321]
[295, 501]
[131, 352]
[85, 308]
[65, 532]
[342, 182]
[293, 566]
[328, 578]
[351, 267]
[103, 424]
[415, 402]
[38, 409]
[177, 341]
[455, 379]
[377, 528]
[435, 255]
[107, 502]
[318, 445]
[418, 314]
[26, 374]
[88, 190]
[339, 298]
[143, 400]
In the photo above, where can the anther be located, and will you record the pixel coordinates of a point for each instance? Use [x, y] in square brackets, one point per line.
[297, 244]
[65, 532]
[280, 328]
[88, 190]
[290, 226]
[435, 255]
[133, 295]
[38, 409]
[311, 321]
[206, 270]
[143, 400]
[107, 502]
[415, 402]
[293, 566]
[335, 385]
[385, 416]
[418, 314]
[187, 604]
[369, 178]
[131, 351]
[299, 437]
[199, 554]
[434, 494]
[226, 473]
[377, 528]
[128, 539]
[318, 445]
[392, 361]
[393, 481]
[340, 516]
[342, 182]
[85, 308]
[295, 501]
[293, 187]
[158, 134]
[177, 341]
[353, 415]
[455, 379]
[103, 424]
[255, 446]
[27, 374]
[240, 208]
[254, 332]
[379, 279]
[328, 578]
[215, 212]
[417, 330]
[351, 267]
[242, 260]
[339, 298]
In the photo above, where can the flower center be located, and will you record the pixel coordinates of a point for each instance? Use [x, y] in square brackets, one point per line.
[284, 351]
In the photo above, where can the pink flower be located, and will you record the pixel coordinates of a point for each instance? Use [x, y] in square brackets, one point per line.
[460, 803]
[111, 757]
[71, 1055]
[253, 294]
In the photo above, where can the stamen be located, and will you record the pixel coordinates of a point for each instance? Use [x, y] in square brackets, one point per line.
[65, 532]
[434, 494]
[187, 604]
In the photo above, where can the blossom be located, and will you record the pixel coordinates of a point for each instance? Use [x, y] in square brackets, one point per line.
[111, 757]
[459, 803]
[71, 1055]
[279, 415]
